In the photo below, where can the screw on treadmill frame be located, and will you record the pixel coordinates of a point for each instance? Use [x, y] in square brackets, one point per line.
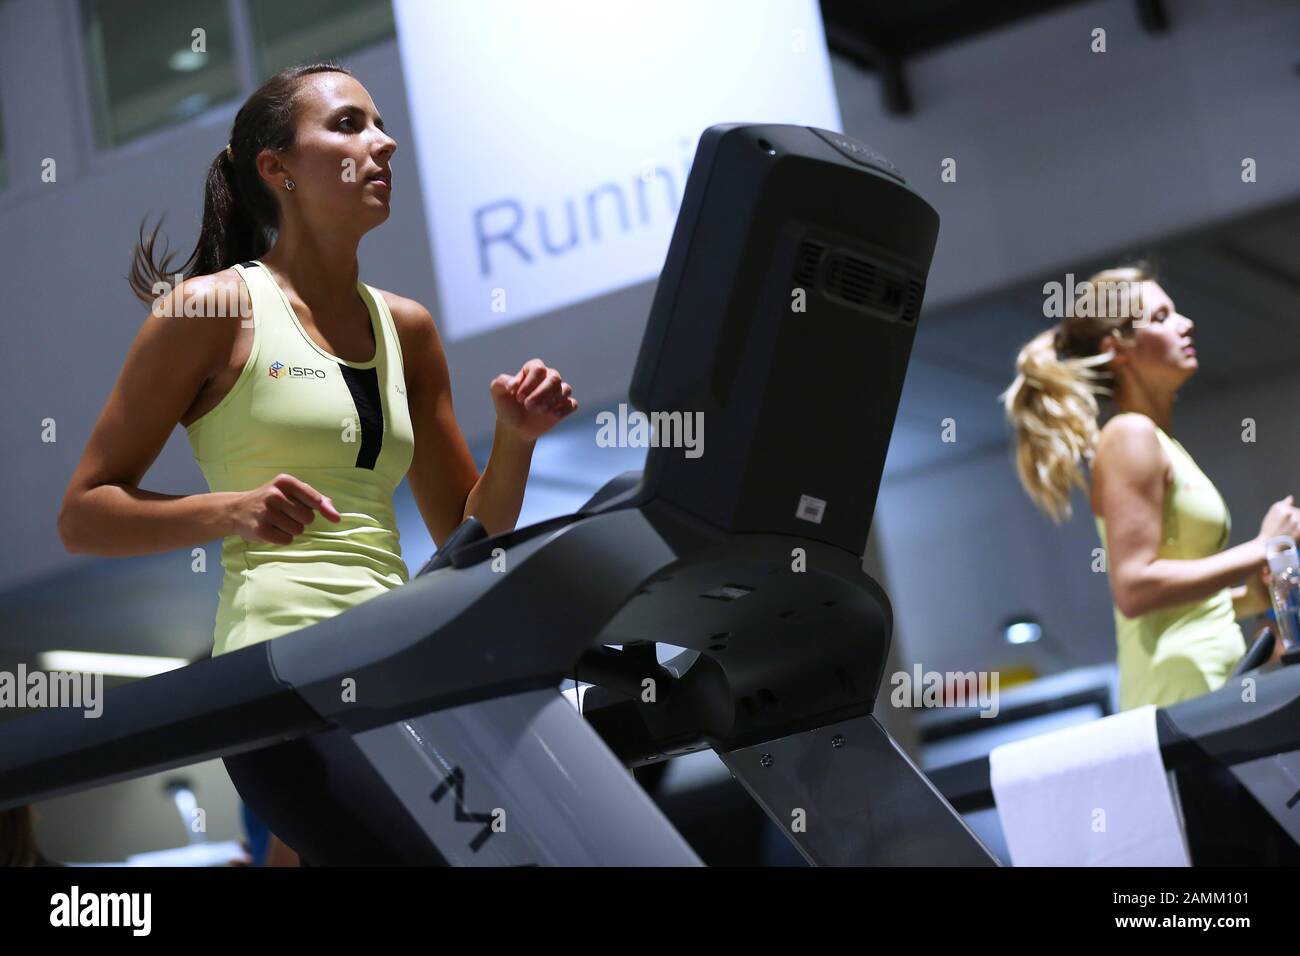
[766, 760]
[837, 741]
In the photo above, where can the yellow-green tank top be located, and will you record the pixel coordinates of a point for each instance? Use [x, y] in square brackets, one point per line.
[1188, 649]
[343, 428]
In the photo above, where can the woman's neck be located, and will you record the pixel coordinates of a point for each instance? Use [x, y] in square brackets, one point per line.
[1130, 396]
[320, 265]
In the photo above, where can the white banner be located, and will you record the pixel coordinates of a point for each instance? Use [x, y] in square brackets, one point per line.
[553, 139]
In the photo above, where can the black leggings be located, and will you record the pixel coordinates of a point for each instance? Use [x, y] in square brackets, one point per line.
[325, 801]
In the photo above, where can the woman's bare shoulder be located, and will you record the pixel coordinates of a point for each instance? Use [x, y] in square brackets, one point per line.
[408, 314]
[1129, 444]
[225, 280]
[1129, 427]
[416, 331]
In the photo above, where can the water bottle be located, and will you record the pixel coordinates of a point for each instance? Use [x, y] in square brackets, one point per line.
[1284, 566]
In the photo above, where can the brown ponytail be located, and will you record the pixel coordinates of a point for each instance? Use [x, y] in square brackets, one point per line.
[240, 215]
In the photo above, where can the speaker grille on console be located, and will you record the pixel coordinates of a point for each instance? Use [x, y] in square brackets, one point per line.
[851, 278]
[858, 281]
[913, 305]
[805, 269]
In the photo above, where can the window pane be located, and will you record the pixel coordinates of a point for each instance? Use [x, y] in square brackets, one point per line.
[149, 68]
[286, 34]
[4, 171]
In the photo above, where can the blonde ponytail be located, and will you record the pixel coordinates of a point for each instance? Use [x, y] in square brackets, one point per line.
[1052, 404]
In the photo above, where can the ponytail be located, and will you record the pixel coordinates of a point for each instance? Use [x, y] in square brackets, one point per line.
[1052, 404]
[240, 215]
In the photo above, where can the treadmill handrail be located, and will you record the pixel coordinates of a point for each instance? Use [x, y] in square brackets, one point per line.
[243, 700]
[152, 725]
[1219, 725]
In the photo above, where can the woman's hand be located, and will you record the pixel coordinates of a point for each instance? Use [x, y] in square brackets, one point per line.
[1282, 518]
[533, 400]
[1254, 598]
[279, 510]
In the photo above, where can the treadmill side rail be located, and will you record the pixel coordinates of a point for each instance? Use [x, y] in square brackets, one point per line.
[457, 635]
[846, 795]
[521, 781]
[1251, 716]
[1250, 726]
[211, 708]
[1275, 782]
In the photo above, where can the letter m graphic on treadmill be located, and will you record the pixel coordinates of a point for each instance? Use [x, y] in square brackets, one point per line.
[456, 781]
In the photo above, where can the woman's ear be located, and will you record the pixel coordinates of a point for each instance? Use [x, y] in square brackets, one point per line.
[269, 167]
[1116, 346]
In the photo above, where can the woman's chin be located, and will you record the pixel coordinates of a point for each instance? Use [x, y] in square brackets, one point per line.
[374, 212]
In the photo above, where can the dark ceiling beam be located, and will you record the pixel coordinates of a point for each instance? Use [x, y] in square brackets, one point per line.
[866, 55]
[882, 37]
[1153, 16]
[1286, 282]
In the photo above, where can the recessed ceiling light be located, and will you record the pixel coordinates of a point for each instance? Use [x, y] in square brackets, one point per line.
[186, 60]
[1023, 632]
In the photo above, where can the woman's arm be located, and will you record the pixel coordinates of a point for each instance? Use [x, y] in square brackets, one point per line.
[445, 482]
[1251, 599]
[498, 496]
[442, 472]
[1129, 489]
[104, 510]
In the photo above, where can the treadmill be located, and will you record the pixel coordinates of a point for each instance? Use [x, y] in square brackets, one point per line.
[1247, 731]
[784, 315]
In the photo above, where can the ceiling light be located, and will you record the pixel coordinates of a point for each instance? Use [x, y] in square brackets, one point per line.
[118, 665]
[1022, 632]
[186, 60]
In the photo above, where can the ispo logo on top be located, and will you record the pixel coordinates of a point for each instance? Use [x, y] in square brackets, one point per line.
[280, 370]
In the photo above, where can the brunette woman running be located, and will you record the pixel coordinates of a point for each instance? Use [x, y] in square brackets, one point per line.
[307, 395]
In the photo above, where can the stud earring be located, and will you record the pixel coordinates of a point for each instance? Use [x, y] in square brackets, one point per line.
[289, 185]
